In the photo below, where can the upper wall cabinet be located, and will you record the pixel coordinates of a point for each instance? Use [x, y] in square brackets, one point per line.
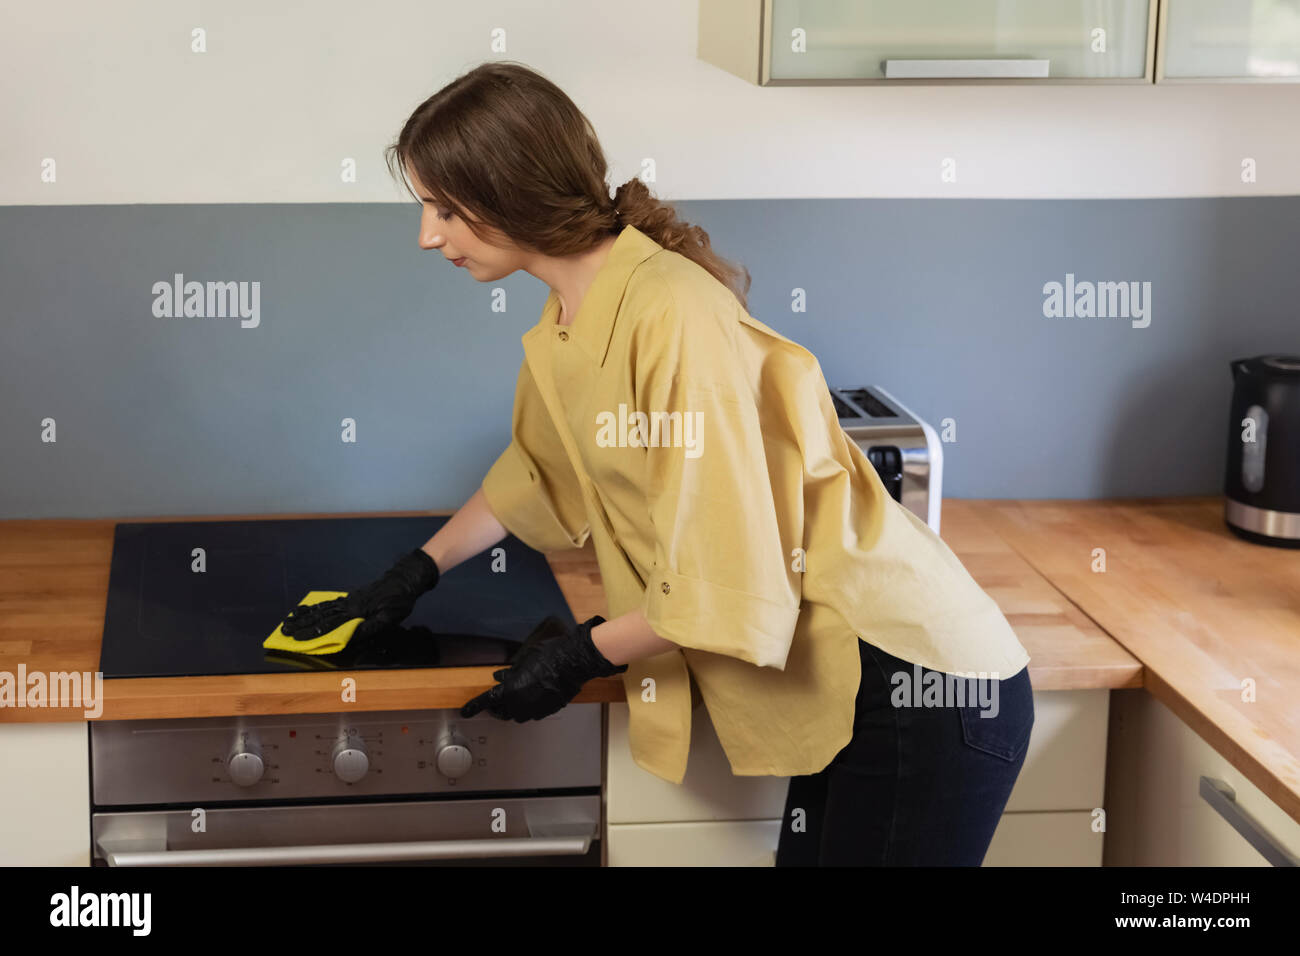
[1228, 40]
[793, 42]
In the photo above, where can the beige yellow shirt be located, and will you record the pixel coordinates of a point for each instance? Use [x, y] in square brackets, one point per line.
[700, 451]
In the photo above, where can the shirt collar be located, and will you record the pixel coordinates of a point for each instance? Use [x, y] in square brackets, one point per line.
[593, 326]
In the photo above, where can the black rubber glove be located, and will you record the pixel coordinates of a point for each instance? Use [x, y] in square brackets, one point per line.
[545, 674]
[383, 604]
[549, 629]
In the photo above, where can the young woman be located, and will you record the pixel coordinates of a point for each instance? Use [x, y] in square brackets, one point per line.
[748, 550]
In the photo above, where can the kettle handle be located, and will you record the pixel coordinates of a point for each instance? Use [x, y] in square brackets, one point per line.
[1238, 367]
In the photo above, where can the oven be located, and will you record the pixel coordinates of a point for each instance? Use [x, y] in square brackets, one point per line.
[418, 787]
[199, 598]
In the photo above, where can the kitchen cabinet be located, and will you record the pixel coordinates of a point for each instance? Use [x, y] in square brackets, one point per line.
[1229, 41]
[44, 795]
[801, 42]
[1156, 813]
[714, 818]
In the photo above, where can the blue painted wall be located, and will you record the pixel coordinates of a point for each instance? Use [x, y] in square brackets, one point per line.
[938, 301]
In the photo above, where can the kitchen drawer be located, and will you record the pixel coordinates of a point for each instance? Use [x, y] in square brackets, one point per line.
[1046, 839]
[1156, 814]
[1022, 839]
[1064, 769]
[709, 791]
[738, 843]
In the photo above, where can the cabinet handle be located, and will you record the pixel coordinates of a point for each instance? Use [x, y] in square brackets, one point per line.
[1224, 800]
[964, 69]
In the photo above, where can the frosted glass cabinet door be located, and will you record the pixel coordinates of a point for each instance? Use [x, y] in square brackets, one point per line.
[886, 40]
[1230, 40]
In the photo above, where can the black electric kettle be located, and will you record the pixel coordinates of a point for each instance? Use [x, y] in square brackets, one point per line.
[1262, 486]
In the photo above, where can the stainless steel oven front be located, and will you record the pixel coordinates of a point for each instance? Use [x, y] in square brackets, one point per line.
[418, 787]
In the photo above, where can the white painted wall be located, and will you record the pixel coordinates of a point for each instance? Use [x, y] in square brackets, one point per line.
[288, 88]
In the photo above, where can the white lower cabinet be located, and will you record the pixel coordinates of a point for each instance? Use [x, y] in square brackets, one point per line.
[732, 843]
[44, 795]
[1061, 838]
[1156, 814]
[714, 818]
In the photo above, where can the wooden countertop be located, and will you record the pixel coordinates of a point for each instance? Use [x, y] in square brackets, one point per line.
[1183, 609]
[54, 588]
[1202, 609]
[54, 591]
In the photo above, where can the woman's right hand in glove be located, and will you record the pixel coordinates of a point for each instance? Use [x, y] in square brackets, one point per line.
[382, 604]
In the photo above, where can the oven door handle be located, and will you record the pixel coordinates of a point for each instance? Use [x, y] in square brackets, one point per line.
[131, 853]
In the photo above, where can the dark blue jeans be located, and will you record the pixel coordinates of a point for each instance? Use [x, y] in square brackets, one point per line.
[916, 785]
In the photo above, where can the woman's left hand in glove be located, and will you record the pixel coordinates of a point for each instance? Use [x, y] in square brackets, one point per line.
[548, 676]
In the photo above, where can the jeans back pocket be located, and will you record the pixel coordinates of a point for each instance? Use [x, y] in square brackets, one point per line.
[1006, 733]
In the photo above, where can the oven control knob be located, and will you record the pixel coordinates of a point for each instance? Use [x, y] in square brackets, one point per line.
[351, 761]
[245, 764]
[453, 755]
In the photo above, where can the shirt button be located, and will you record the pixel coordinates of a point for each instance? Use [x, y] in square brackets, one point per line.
[564, 336]
[666, 588]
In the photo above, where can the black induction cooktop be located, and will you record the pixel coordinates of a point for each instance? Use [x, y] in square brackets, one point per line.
[167, 619]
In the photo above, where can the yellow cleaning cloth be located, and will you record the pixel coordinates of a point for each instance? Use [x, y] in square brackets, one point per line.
[329, 643]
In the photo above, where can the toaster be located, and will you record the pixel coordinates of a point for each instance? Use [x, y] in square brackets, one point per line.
[904, 450]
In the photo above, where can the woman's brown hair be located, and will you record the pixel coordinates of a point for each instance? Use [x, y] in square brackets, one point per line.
[505, 148]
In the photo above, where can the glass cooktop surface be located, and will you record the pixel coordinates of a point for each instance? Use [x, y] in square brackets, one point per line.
[167, 618]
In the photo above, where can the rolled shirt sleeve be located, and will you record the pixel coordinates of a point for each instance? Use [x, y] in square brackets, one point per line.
[531, 488]
[726, 510]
